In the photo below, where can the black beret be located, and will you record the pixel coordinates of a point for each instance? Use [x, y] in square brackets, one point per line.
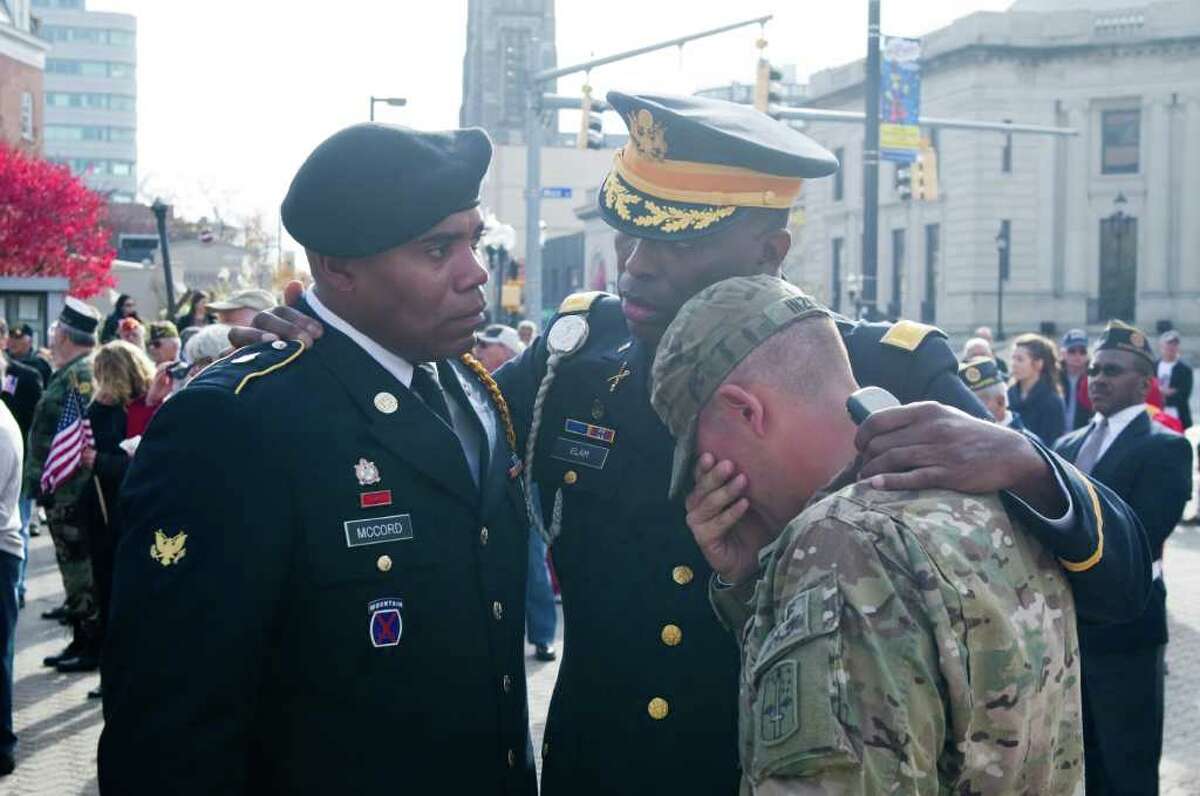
[371, 187]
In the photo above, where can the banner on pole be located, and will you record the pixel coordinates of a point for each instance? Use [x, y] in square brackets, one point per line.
[900, 100]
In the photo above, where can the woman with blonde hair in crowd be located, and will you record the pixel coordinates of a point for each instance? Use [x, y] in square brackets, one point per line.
[125, 401]
[1034, 392]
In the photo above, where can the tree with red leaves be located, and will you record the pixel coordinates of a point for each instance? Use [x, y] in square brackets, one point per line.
[50, 225]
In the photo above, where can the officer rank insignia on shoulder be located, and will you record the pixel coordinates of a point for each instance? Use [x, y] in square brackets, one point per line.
[168, 550]
[241, 367]
[908, 335]
[580, 302]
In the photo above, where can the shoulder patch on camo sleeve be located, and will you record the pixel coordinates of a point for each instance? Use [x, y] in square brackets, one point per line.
[908, 335]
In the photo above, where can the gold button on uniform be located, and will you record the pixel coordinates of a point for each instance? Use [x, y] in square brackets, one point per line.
[483, 535]
[570, 477]
[682, 575]
[671, 635]
[506, 683]
[384, 563]
[497, 610]
[512, 758]
[658, 708]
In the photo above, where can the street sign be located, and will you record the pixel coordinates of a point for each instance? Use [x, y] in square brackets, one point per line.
[556, 192]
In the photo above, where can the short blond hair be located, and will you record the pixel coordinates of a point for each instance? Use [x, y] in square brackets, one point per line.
[123, 372]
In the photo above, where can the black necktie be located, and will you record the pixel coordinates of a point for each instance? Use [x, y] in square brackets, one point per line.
[425, 384]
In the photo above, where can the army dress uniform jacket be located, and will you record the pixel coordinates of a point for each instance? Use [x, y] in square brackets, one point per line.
[21, 392]
[75, 375]
[646, 696]
[316, 598]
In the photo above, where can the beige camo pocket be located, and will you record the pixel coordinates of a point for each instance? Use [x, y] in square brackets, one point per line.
[799, 699]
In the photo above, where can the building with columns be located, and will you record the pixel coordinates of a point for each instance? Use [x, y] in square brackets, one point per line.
[1102, 224]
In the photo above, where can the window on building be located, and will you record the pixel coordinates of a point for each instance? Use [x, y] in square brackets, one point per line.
[1120, 139]
[121, 102]
[898, 255]
[835, 277]
[514, 44]
[839, 185]
[27, 116]
[933, 252]
[88, 132]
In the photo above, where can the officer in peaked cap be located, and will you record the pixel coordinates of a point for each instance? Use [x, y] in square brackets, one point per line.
[326, 595]
[646, 699]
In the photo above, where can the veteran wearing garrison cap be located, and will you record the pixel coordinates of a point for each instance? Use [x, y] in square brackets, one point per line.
[1150, 467]
[983, 377]
[326, 595]
[646, 699]
[72, 342]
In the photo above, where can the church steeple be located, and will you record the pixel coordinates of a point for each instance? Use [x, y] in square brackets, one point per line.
[506, 40]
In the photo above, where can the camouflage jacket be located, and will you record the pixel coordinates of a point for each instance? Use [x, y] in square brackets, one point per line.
[78, 374]
[910, 643]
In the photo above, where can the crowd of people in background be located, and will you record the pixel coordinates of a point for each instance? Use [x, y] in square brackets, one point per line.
[1118, 413]
[74, 412]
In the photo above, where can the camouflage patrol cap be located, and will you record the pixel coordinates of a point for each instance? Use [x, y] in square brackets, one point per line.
[713, 332]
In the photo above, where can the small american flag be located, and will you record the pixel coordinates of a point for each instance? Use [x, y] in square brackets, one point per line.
[74, 433]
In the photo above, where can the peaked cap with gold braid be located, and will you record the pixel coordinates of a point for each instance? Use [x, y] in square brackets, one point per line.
[693, 164]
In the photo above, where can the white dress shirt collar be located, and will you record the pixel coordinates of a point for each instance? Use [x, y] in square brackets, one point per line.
[394, 364]
[1116, 424]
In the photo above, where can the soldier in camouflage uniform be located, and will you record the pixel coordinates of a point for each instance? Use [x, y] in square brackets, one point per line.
[72, 341]
[899, 642]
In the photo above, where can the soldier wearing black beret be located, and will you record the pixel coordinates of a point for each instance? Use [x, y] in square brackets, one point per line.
[645, 701]
[326, 593]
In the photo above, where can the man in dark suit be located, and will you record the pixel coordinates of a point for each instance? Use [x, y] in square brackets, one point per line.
[326, 595]
[1175, 379]
[1151, 468]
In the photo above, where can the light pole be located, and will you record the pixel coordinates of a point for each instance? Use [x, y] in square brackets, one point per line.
[160, 208]
[870, 240]
[498, 242]
[395, 102]
[1003, 248]
[1118, 222]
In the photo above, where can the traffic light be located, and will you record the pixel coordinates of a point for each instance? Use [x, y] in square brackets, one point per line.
[765, 93]
[591, 124]
[925, 175]
[904, 181]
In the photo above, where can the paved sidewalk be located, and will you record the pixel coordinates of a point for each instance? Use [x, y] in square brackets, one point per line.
[59, 727]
